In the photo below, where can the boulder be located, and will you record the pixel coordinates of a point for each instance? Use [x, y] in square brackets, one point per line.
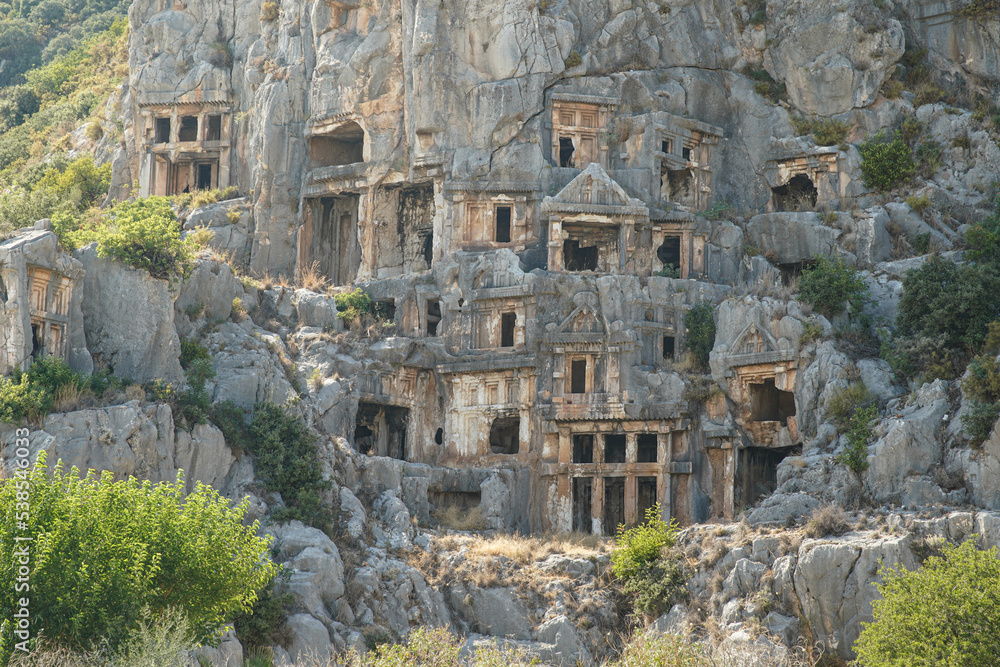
[128, 318]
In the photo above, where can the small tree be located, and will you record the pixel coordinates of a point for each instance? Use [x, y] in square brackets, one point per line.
[954, 302]
[699, 326]
[885, 161]
[104, 553]
[650, 576]
[831, 283]
[947, 613]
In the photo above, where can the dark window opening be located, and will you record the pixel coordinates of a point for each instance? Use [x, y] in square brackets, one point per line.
[566, 150]
[769, 404]
[214, 130]
[505, 435]
[798, 194]
[577, 258]
[646, 450]
[428, 249]
[614, 504]
[583, 448]
[37, 347]
[463, 501]
[204, 177]
[757, 472]
[386, 309]
[344, 145]
[508, 321]
[792, 271]
[380, 430]
[583, 504]
[439, 436]
[665, 146]
[686, 153]
[645, 495]
[433, 316]
[502, 224]
[668, 347]
[189, 129]
[578, 376]
[162, 130]
[669, 253]
[614, 448]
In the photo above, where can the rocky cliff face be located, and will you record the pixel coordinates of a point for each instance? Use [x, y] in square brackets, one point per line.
[536, 195]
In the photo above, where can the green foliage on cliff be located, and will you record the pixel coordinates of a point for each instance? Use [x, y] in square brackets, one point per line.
[102, 551]
[947, 613]
[647, 573]
[830, 284]
[885, 161]
[950, 301]
[49, 381]
[699, 327]
[285, 458]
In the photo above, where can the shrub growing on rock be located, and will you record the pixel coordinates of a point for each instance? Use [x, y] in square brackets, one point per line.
[830, 283]
[103, 551]
[646, 572]
[699, 325]
[946, 613]
[955, 303]
[885, 161]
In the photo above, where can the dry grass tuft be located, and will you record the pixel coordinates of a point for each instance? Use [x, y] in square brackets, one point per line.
[311, 279]
[829, 520]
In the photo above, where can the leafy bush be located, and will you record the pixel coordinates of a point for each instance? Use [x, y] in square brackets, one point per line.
[830, 283]
[657, 587]
[192, 351]
[885, 161]
[30, 395]
[574, 59]
[978, 422]
[859, 432]
[105, 550]
[264, 625]
[764, 85]
[929, 158]
[143, 234]
[945, 613]
[830, 131]
[699, 327]
[639, 547]
[285, 459]
[954, 303]
[983, 239]
[842, 405]
[923, 357]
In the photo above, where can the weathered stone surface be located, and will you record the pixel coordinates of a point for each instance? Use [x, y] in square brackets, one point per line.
[128, 317]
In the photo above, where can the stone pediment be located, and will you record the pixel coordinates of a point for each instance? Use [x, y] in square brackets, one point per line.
[586, 317]
[593, 190]
[754, 339]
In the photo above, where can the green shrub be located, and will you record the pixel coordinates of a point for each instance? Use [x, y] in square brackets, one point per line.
[810, 331]
[978, 422]
[946, 613]
[909, 129]
[30, 395]
[923, 357]
[983, 239]
[983, 380]
[192, 351]
[922, 243]
[885, 161]
[928, 93]
[979, 10]
[929, 158]
[843, 404]
[830, 283]
[918, 204]
[264, 625]
[574, 59]
[859, 432]
[954, 303]
[764, 85]
[639, 547]
[657, 587]
[285, 459]
[830, 131]
[104, 550]
[699, 328]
